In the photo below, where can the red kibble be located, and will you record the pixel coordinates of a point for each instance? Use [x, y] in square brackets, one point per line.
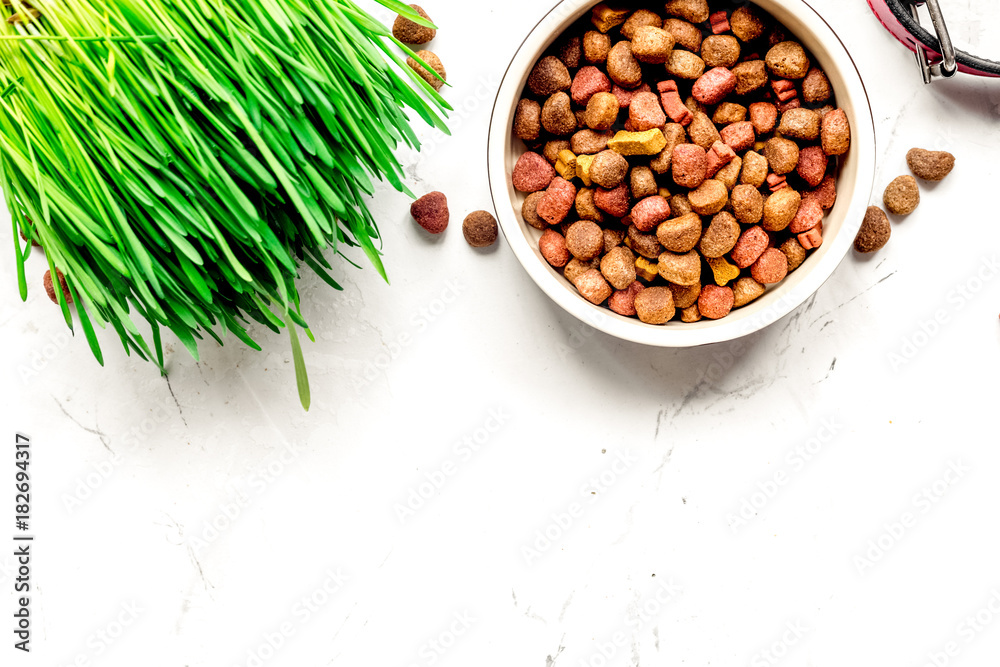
[808, 216]
[739, 136]
[650, 212]
[645, 112]
[719, 22]
[690, 165]
[793, 103]
[771, 267]
[431, 211]
[714, 85]
[776, 182]
[625, 97]
[718, 157]
[783, 89]
[671, 100]
[588, 82]
[813, 238]
[715, 302]
[557, 201]
[812, 165]
[623, 301]
[763, 115]
[751, 244]
[613, 202]
[552, 245]
[532, 173]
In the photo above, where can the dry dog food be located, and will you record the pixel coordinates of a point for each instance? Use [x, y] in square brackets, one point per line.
[431, 59]
[431, 212]
[902, 195]
[930, 165]
[874, 232]
[480, 229]
[50, 288]
[409, 32]
[681, 161]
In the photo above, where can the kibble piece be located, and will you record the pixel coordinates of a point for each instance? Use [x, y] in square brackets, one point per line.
[623, 301]
[605, 18]
[770, 268]
[681, 269]
[645, 269]
[612, 239]
[571, 52]
[431, 59]
[808, 216]
[557, 115]
[645, 112]
[649, 142]
[528, 120]
[751, 245]
[686, 35]
[902, 195]
[675, 135]
[816, 87]
[588, 82]
[714, 86]
[623, 68]
[703, 131]
[480, 229]
[745, 290]
[755, 169]
[874, 232]
[552, 149]
[723, 271]
[614, 202]
[695, 11]
[552, 245]
[750, 75]
[532, 173]
[646, 245]
[747, 23]
[709, 198]
[529, 211]
[763, 115]
[583, 164]
[930, 165]
[589, 142]
[652, 44]
[593, 287]
[680, 234]
[643, 182]
[685, 65]
[780, 209]
[715, 302]
[557, 202]
[654, 305]
[50, 288]
[596, 46]
[650, 212]
[794, 252]
[685, 296]
[728, 113]
[720, 51]
[782, 155]
[812, 238]
[431, 212]
[602, 111]
[800, 124]
[826, 193]
[549, 76]
[691, 314]
[729, 174]
[638, 19]
[618, 267]
[575, 268]
[720, 237]
[812, 165]
[566, 164]
[739, 136]
[608, 169]
[585, 207]
[585, 240]
[836, 133]
[689, 165]
[788, 60]
[718, 156]
[409, 32]
[747, 204]
[679, 205]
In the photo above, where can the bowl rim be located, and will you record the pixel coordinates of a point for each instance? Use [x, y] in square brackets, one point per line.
[785, 297]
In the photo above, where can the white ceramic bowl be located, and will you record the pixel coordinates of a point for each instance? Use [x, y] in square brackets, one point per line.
[854, 186]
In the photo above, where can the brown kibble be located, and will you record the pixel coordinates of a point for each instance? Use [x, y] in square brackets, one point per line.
[431, 212]
[787, 60]
[612, 239]
[682, 269]
[836, 133]
[549, 76]
[703, 131]
[585, 240]
[685, 65]
[643, 182]
[571, 52]
[795, 253]
[675, 135]
[605, 18]
[641, 18]
[575, 268]
[652, 44]
[902, 196]
[646, 245]
[585, 207]
[782, 155]
[528, 120]
[745, 290]
[557, 115]
[654, 305]
[431, 59]
[695, 11]
[409, 32]
[529, 211]
[602, 111]
[750, 76]
[728, 113]
[720, 51]
[480, 229]
[816, 87]
[729, 174]
[800, 124]
[755, 169]
[780, 208]
[930, 165]
[686, 35]
[553, 148]
[623, 68]
[747, 204]
[720, 237]
[691, 314]
[552, 245]
[618, 266]
[709, 198]
[679, 205]
[51, 290]
[608, 169]
[685, 296]
[596, 46]
[874, 232]
[680, 234]
[593, 287]
[747, 23]
[589, 142]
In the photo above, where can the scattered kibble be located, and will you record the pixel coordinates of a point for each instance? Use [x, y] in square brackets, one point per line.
[431, 212]
[50, 287]
[930, 165]
[902, 195]
[409, 32]
[431, 59]
[874, 232]
[480, 229]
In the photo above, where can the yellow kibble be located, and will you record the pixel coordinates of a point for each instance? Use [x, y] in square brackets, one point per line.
[663, 192]
[605, 18]
[566, 164]
[583, 163]
[644, 268]
[723, 270]
[649, 142]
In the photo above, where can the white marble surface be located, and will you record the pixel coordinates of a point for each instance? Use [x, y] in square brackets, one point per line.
[195, 521]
